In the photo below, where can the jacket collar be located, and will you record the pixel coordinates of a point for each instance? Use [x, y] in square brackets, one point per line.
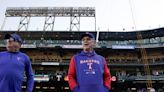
[88, 53]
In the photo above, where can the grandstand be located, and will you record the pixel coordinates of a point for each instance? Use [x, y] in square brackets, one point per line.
[50, 56]
[51, 51]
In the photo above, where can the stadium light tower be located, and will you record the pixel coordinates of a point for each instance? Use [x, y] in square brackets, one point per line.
[75, 13]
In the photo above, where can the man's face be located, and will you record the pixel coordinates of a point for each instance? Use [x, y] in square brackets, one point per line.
[12, 46]
[88, 43]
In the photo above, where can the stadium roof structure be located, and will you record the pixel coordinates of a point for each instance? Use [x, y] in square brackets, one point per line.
[75, 35]
[159, 32]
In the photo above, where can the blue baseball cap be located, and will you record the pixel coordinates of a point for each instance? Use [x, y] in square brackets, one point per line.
[14, 36]
[88, 34]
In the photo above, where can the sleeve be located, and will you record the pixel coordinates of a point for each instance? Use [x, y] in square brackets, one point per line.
[107, 76]
[72, 75]
[29, 75]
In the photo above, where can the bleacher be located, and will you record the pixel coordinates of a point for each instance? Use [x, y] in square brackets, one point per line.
[51, 54]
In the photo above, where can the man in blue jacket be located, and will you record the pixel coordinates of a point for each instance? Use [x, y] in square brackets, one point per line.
[88, 71]
[13, 64]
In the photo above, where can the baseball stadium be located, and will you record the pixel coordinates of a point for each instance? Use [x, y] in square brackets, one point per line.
[135, 58]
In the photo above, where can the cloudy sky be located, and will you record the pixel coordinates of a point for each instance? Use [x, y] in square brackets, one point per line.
[111, 15]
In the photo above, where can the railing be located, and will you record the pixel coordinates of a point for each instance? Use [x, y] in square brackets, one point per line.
[139, 78]
[75, 43]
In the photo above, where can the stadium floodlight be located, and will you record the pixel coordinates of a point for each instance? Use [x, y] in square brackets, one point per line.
[50, 13]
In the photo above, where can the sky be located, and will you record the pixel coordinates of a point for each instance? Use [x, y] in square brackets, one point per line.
[111, 15]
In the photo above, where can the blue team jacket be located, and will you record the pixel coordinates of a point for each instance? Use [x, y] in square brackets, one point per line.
[89, 72]
[12, 68]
